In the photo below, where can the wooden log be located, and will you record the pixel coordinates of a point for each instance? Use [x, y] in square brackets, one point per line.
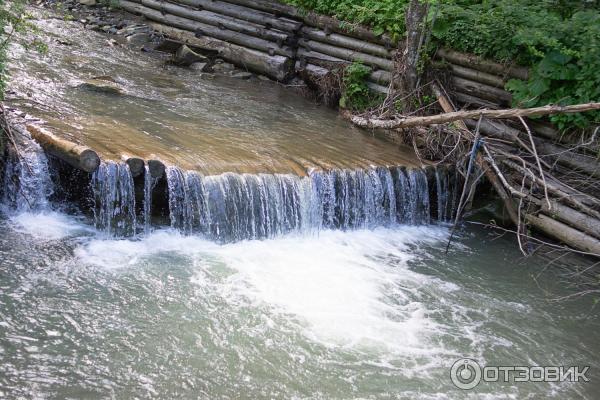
[565, 194]
[481, 162]
[487, 92]
[245, 14]
[475, 62]
[347, 42]
[574, 218]
[347, 54]
[579, 162]
[328, 24]
[377, 88]
[156, 168]
[220, 21]
[314, 57]
[313, 70]
[78, 156]
[566, 234]
[381, 77]
[275, 67]
[407, 122]
[203, 30]
[136, 165]
[473, 74]
[467, 99]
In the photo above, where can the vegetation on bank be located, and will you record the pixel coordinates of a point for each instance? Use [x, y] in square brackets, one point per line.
[558, 39]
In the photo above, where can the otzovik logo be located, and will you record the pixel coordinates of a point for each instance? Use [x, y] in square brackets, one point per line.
[466, 374]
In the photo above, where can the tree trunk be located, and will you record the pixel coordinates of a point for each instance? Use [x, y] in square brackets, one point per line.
[415, 17]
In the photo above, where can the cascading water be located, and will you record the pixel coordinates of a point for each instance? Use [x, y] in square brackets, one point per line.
[114, 199]
[149, 184]
[231, 207]
[27, 184]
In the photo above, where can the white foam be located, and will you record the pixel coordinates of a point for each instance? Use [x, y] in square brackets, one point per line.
[350, 289]
[47, 225]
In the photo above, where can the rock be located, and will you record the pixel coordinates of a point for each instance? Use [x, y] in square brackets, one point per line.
[223, 67]
[87, 2]
[139, 39]
[102, 84]
[185, 56]
[201, 67]
[263, 78]
[242, 75]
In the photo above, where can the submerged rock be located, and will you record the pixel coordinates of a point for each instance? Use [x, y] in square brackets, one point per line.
[201, 67]
[184, 56]
[87, 2]
[139, 39]
[102, 84]
[242, 75]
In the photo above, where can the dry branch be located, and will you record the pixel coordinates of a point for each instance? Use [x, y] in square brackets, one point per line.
[408, 122]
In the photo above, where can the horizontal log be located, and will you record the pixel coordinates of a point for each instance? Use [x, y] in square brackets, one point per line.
[467, 99]
[275, 67]
[565, 234]
[328, 24]
[476, 62]
[377, 88]
[201, 29]
[381, 77]
[313, 70]
[245, 13]
[347, 42]
[346, 54]
[576, 219]
[78, 156]
[315, 57]
[407, 122]
[219, 21]
[473, 74]
[487, 92]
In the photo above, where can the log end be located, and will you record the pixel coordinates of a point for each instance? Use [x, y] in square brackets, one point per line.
[89, 160]
[136, 166]
[156, 168]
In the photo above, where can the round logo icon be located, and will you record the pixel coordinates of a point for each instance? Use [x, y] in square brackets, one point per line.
[465, 373]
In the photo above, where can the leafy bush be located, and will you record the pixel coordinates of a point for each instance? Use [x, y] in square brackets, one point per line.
[381, 15]
[558, 39]
[355, 92]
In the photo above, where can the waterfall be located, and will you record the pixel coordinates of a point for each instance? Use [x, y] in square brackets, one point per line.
[231, 207]
[149, 184]
[27, 184]
[114, 199]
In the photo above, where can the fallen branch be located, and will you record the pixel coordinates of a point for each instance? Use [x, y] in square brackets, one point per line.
[408, 122]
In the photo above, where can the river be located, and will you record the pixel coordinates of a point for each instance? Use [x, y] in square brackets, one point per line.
[358, 308]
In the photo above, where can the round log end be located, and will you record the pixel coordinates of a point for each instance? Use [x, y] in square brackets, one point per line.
[89, 160]
[136, 166]
[156, 168]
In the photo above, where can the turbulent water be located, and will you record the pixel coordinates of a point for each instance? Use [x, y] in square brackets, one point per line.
[365, 306]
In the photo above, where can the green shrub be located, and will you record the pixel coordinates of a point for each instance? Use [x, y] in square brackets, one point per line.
[356, 95]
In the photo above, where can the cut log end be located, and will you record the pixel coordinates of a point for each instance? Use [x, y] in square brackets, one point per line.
[89, 160]
[156, 168]
[136, 166]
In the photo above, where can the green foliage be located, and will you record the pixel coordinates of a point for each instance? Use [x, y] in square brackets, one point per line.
[381, 15]
[558, 39]
[356, 95]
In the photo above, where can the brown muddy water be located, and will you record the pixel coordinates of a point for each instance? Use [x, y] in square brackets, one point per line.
[185, 118]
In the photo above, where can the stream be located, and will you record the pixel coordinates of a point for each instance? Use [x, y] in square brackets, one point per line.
[284, 286]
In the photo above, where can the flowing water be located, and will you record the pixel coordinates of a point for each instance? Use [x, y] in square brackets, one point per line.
[328, 284]
[364, 304]
[196, 121]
